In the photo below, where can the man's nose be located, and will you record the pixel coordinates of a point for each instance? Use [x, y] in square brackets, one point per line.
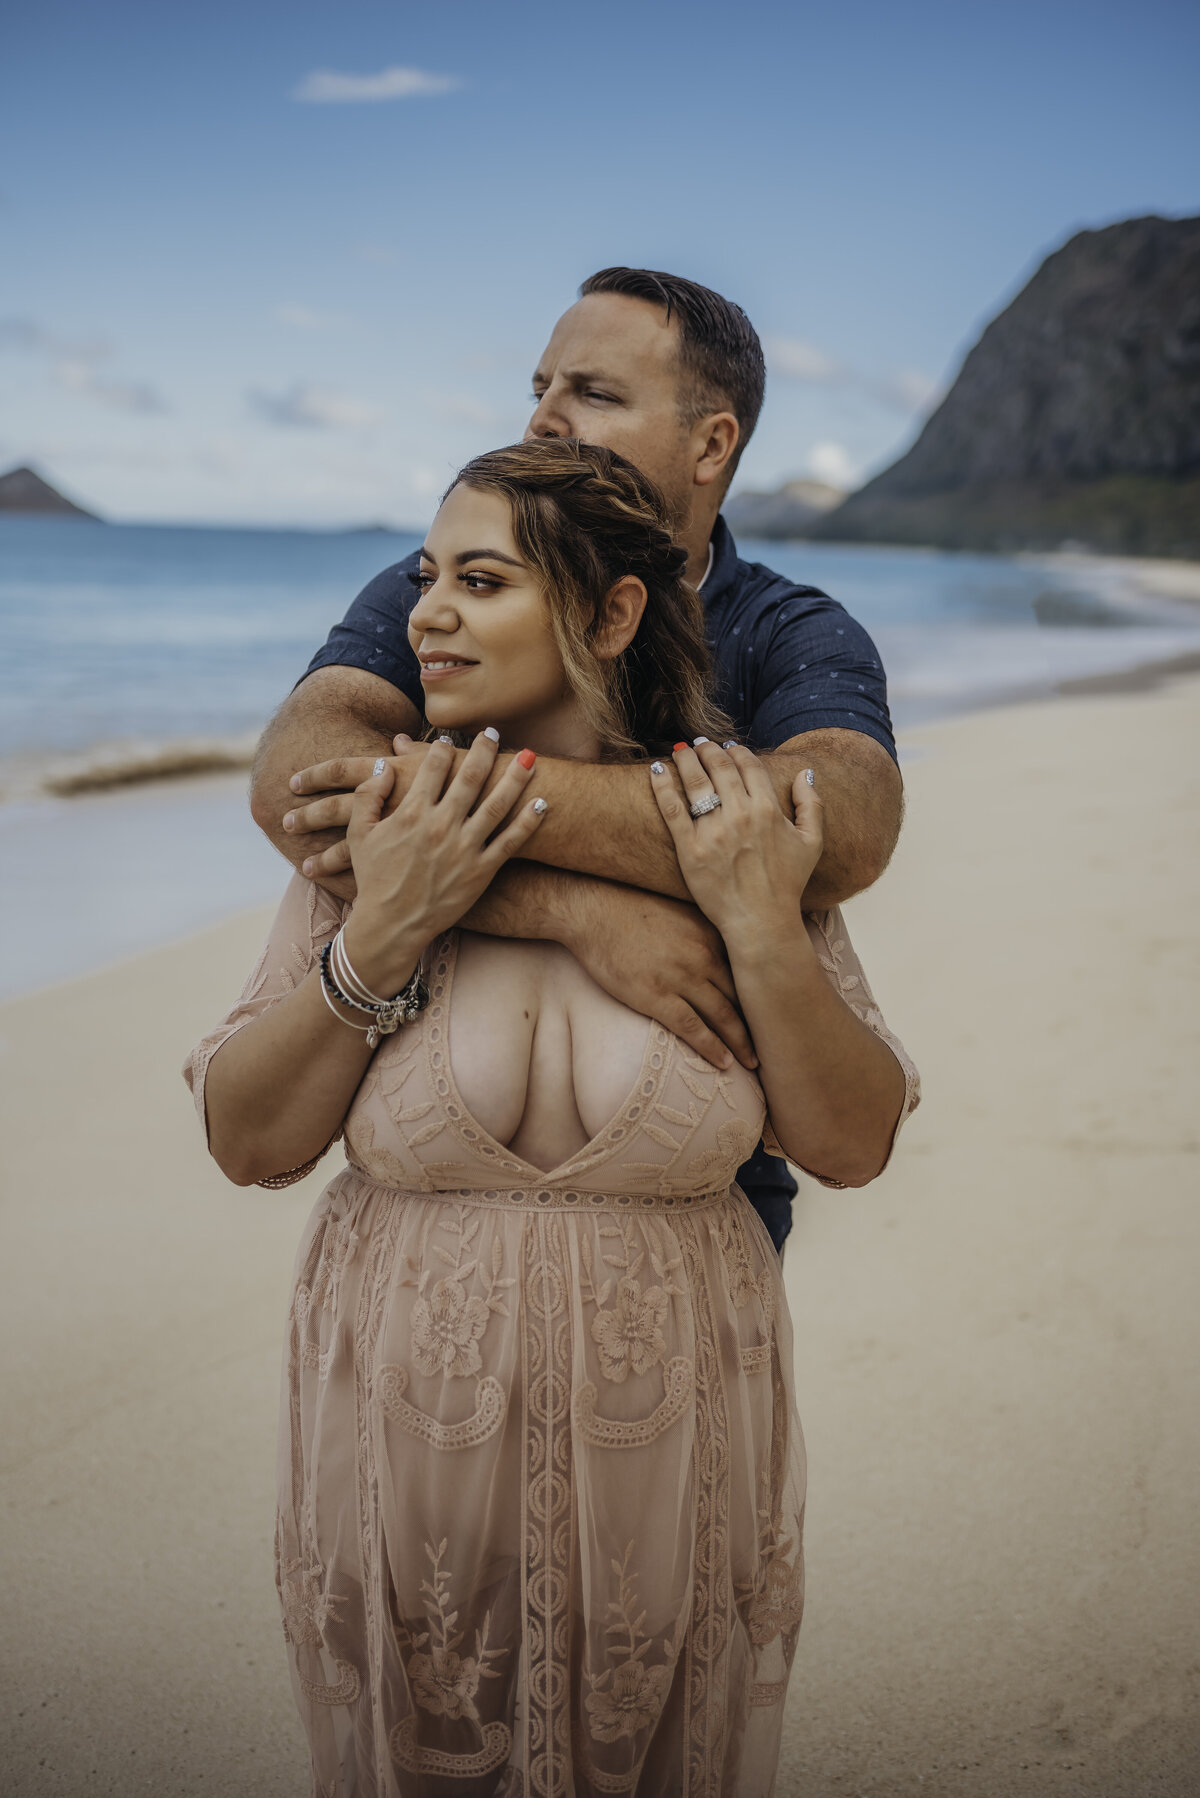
[547, 420]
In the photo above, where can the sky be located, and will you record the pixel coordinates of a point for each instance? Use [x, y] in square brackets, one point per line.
[293, 263]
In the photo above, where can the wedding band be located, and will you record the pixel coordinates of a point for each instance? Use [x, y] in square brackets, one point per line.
[709, 803]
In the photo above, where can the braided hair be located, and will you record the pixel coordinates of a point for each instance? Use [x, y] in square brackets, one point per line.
[584, 518]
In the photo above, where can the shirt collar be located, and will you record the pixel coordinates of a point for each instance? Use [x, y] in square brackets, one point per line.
[722, 567]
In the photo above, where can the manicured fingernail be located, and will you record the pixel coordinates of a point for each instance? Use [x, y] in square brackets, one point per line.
[527, 758]
[657, 768]
[732, 744]
[492, 732]
[808, 775]
[379, 766]
[539, 806]
[696, 741]
[289, 820]
[294, 783]
[676, 747]
[307, 867]
[449, 740]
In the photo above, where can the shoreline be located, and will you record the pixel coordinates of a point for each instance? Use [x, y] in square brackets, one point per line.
[994, 1342]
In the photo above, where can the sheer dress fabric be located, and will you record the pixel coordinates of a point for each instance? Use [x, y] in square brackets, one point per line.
[541, 1477]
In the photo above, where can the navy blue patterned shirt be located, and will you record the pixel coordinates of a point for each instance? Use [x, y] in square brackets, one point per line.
[788, 659]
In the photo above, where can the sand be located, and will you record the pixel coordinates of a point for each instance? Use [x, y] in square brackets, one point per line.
[997, 1342]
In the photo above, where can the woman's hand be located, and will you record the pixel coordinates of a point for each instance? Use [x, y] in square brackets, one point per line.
[745, 863]
[422, 867]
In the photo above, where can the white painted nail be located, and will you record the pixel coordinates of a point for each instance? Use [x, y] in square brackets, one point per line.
[379, 766]
[449, 740]
[539, 806]
[657, 768]
[808, 775]
[492, 732]
[696, 741]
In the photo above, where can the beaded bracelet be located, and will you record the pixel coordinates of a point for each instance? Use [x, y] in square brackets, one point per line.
[387, 1015]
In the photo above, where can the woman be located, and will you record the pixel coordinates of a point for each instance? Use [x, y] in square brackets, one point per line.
[541, 1477]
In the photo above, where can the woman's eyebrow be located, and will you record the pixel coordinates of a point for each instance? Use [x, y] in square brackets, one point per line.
[488, 555]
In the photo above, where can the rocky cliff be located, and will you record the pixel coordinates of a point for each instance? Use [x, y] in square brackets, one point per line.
[21, 490]
[1075, 417]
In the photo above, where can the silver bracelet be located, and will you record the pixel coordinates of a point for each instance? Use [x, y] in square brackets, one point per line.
[387, 1015]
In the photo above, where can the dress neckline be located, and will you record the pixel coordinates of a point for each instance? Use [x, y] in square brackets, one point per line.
[596, 1144]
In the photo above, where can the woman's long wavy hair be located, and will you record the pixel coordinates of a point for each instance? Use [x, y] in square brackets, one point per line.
[584, 518]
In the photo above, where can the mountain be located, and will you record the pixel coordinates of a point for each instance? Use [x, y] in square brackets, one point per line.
[788, 512]
[1076, 417]
[21, 490]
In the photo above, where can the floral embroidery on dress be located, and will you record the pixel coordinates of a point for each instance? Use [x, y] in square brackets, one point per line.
[629, 1334]
[779, 1605]
[443, 1680]
[446, 1324]
[628, 1696]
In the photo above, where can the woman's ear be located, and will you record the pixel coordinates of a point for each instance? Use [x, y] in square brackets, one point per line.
[623, 610]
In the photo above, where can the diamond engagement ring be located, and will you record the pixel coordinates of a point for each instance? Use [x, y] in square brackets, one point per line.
[709, 803]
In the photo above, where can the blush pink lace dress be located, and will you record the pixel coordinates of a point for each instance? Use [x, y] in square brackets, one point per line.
[541, 1478]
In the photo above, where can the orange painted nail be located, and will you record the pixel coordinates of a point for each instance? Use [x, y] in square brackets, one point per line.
[677, 747]
[527, 758]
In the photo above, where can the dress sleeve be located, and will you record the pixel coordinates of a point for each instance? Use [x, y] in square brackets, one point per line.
[307, 918]
[842, 968]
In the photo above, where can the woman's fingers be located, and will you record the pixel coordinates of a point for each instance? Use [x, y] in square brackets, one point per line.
[496, 806]
[513, 838]
[431, 776]
[471, 775]
[810, 817]
[674, 811]
[723, 771]
[370, 798]
[755, 778]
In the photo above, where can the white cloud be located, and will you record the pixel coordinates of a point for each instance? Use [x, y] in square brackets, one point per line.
[310, 407]
[326, 87]
[908, 390]
[797, 360]
[122, 396]
[830, 462]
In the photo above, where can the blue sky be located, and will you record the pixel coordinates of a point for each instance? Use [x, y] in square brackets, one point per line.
[221, 299]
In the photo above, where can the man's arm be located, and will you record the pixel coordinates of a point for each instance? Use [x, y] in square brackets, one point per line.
[337, 709]
[603, 820]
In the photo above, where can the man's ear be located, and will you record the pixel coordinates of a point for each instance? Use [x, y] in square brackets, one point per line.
[714, 442]
[623, 610]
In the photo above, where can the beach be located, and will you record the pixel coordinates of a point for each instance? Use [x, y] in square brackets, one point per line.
[996, 1342]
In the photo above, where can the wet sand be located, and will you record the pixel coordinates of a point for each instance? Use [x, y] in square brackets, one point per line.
[996, 1342]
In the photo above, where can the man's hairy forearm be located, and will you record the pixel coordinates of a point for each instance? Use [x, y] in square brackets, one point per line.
[604, 820]
[537, 904]
[336, 711]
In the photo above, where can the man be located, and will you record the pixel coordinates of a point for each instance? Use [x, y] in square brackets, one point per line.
[670, 375]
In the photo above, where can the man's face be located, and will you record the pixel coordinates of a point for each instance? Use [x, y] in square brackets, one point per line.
[609, 375]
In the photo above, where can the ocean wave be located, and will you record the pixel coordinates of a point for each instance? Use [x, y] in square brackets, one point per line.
[106, 766]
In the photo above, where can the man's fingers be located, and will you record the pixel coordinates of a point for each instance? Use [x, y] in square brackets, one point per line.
[342, 774]
[727, 1023]
[331, 861]
[330, 813]
[677, 1016]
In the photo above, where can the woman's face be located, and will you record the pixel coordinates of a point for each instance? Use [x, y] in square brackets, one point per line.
[482, 633]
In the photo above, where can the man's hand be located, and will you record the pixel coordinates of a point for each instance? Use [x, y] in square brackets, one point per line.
[336, 782]
[661, 958]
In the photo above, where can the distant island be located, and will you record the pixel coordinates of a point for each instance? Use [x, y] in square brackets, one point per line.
[1075, 418]
[23, 490]
[788, 512]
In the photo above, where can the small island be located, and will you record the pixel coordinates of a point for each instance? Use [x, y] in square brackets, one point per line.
[24, 490]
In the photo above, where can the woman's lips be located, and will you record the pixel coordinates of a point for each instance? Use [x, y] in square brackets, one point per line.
[434, 673]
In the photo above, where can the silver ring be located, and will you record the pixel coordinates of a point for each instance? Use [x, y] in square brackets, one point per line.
[702, 807]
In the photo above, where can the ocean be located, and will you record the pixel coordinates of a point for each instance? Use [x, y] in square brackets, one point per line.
[130, 649]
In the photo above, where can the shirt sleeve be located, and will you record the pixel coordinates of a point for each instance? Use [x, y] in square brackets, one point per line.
[817, 669]
[374, 633]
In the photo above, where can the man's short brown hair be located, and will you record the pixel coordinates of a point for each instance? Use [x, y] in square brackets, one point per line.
[720, 357]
